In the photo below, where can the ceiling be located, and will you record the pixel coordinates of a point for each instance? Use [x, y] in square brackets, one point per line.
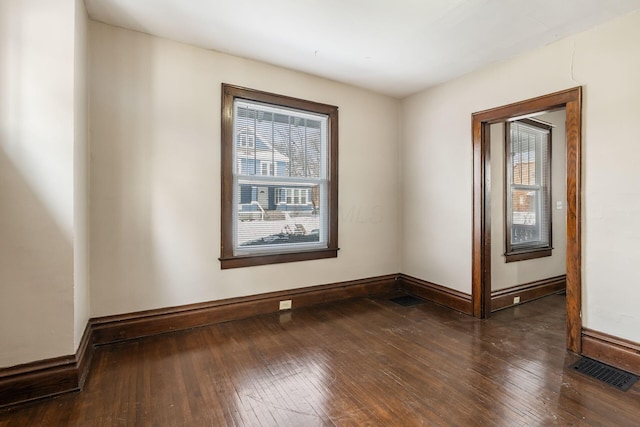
[394, 47]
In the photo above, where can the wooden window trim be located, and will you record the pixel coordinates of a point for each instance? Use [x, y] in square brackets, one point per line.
[227, 257]
[527, 254]
[523, 253]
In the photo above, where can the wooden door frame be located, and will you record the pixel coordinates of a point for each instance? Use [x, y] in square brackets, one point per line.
[571, 101]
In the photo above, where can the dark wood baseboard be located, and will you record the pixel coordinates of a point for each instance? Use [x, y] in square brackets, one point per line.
[528, 292]
[129, 326]
[46, 378]
[447, 297]
[63, 374]
[50, 377]
[84, 355]
[614, 351]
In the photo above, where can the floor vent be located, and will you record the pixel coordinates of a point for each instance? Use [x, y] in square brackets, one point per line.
[407, 300]
[615, 377]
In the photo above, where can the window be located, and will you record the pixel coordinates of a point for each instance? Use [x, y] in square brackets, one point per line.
[266, 168]
[528, 190]
[279, 202]
[245, 139]
[293, 196]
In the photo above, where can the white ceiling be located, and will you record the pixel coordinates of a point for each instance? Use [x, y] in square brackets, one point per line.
[395, 47]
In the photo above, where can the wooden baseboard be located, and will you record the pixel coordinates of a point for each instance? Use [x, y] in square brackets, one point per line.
[50, 377]
[64, 374]
[527, 292]
[447, 297]
[129, 326]
[614, 351]
[46, 378]
[84, 355]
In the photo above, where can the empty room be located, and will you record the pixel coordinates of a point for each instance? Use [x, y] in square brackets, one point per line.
[319, 213]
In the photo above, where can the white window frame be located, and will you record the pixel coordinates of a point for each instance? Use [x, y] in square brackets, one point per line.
[541, 247]
[232, 255]
[266, 169]
[263, 180]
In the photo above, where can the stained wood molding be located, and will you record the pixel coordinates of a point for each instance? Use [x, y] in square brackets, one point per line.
[503, 298]
[571, 100]
[50, 377]
[129, 326]
[447, 297]
[64, 374]
[614, 351]
[46, 378]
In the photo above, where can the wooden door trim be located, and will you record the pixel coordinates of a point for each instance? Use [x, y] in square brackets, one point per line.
[571, 100]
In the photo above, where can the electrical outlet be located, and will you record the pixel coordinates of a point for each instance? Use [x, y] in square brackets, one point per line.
[516, 300]
[285, 304]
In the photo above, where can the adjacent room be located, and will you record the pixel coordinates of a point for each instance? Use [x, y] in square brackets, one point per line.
[319, 213]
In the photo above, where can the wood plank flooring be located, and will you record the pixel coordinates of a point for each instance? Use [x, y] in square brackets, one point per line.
[362, 362]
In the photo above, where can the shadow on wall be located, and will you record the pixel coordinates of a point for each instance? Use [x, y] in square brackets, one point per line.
[35, 109]
[151, 177]
[36, 187]
[36, 271]
[121, 166]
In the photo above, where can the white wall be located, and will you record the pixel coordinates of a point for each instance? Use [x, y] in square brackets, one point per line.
[503, 274]
[436, 165]
[155, 175]
[36, 179]
[81, 176]
[153, 211]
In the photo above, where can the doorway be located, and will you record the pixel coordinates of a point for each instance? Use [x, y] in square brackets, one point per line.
[571, 101]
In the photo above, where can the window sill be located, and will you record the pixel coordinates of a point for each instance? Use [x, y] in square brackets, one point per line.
[255, 260]
[527, 254]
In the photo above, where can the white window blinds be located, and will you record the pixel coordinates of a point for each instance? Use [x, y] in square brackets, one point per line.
[528, 190]
[280, 180]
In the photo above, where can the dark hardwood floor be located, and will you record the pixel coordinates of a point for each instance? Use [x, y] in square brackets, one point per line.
[362, 362]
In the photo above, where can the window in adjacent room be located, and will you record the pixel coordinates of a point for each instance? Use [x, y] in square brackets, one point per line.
[528, 190]
[279, 178]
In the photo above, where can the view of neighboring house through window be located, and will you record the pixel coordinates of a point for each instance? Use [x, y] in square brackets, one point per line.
[266, 168]
[293, 196]
[283, 182]
[528, 190]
